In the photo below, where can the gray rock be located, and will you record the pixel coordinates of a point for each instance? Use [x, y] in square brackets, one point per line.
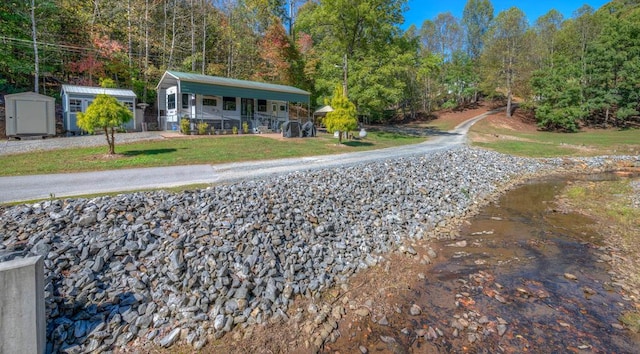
[130, 316]
[502, 329]
[415, 310]
[80, 328]
[219, 322]
[388, 340]
[170, 338]
[87, 220]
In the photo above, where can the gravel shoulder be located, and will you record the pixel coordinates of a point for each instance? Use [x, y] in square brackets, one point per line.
[11, 146]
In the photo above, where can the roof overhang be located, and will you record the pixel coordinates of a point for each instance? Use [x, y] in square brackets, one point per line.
[219, 86]
[90, 91]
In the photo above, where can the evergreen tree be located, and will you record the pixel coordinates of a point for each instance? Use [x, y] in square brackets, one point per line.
[343, 117]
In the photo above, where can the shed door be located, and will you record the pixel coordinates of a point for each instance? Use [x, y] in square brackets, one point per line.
[31, 117]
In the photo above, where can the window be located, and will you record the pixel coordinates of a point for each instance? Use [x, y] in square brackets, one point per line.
[209, 102]
[283, 107]
[185, 100]
[171, 101]
[262, 105]
[229, 103]
[128, 105]
[274, 107]
[75, 106]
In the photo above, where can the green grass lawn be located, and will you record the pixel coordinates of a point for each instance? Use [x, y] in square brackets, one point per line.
[189, 151]
[550, 144]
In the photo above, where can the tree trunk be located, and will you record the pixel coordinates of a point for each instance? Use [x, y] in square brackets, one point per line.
[204, 36]
[509, 97]
[164, 35]
[35, 48]
[509, 90]
[130, 37]
[193, 38]
[173, 38]
[110, 140]
[146, 50]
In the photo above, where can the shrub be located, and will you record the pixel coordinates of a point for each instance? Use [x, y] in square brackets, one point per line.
[185, 126]
[202, 128]
[234, 129]
[245, 127]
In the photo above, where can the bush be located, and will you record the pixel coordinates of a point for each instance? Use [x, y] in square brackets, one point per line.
[202, 128]
[185, 126]
[234, 129]
[245, 127]
[451, 104]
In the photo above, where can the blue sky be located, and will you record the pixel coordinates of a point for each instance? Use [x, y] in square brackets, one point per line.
[420, 10]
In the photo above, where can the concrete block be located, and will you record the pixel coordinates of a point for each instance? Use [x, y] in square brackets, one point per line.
[22, 307]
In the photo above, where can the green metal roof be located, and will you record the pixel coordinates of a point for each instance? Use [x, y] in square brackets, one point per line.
[222, 86]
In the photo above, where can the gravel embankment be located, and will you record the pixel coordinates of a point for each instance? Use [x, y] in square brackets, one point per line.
[9, 147]
[157, 266]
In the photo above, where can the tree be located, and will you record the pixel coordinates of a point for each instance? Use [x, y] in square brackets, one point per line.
[558, 95]
[476, 20]
[367, 32]
[547, 28]
[105, 113]
[614, 67]
[277, 54]
[443, 35]
[504, 58]
[343, 118]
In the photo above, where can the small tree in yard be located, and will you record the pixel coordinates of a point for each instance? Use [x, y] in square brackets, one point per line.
[343, 118]
[105, 113]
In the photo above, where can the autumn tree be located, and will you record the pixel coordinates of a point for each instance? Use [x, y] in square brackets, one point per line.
[107, 114]
[343, 117]
[277, 54]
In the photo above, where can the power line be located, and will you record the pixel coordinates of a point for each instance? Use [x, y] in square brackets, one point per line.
[65, 47]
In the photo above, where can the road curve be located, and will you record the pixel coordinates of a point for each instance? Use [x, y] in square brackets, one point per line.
[24, 188]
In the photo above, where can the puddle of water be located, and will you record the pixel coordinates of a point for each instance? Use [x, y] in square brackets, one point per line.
[528, 280]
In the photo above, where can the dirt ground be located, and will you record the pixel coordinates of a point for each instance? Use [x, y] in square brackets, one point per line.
[453, 118]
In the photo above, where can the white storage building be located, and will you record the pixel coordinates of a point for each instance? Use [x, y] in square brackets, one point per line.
[29, 114]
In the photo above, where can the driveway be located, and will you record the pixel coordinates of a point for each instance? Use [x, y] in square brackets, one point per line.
[24, 188]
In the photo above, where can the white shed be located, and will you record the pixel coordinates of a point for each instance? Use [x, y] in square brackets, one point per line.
[77, 98]
[29, 113]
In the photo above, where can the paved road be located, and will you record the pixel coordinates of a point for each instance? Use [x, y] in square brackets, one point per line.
[23, 188]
